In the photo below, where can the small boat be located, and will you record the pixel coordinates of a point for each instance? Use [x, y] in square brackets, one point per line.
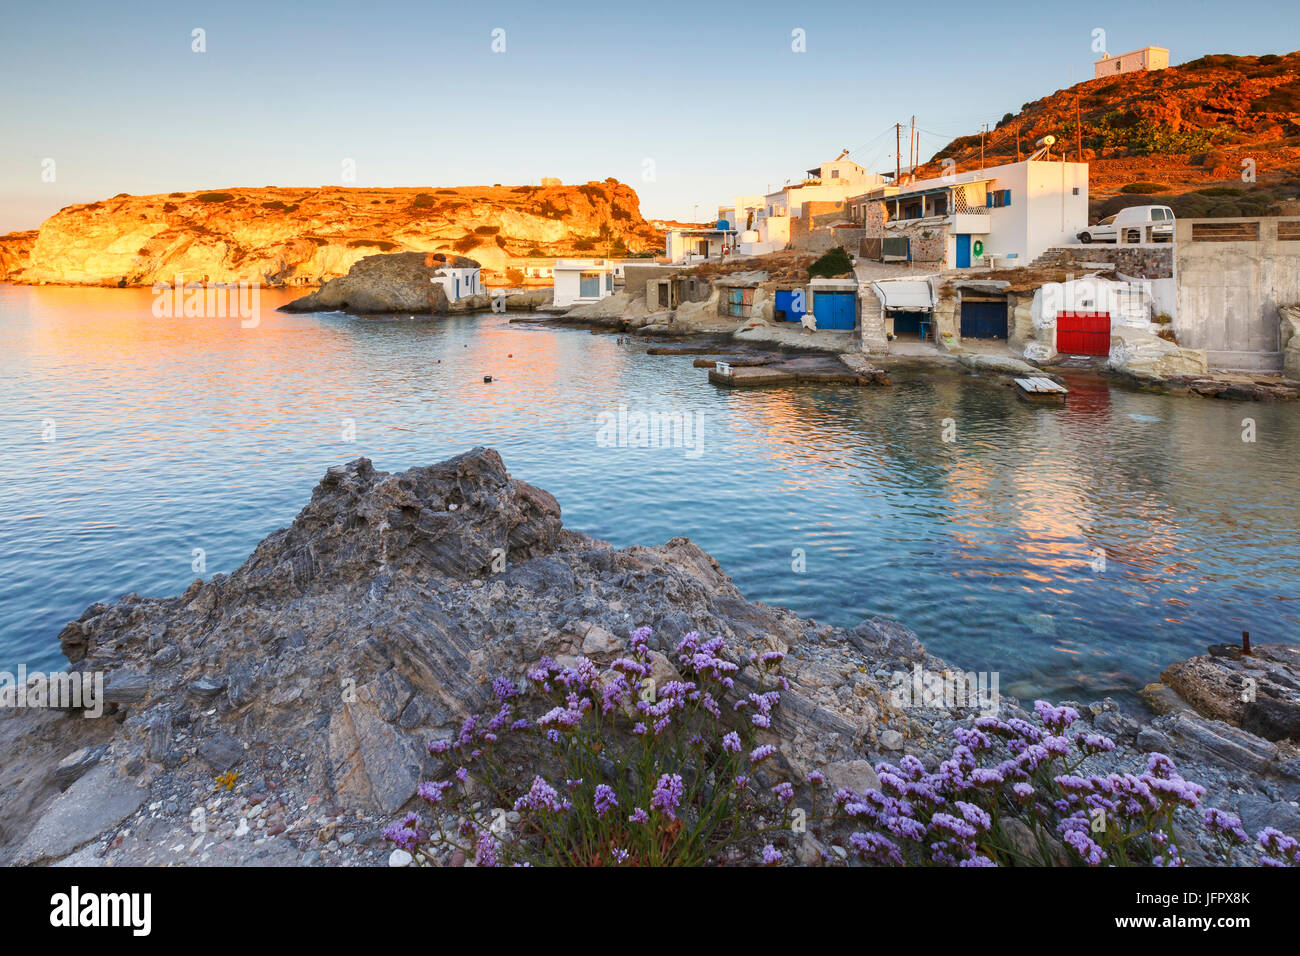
[1041, 391]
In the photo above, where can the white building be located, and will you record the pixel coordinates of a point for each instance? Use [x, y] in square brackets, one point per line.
[579, 281]
[1002, 216]
[689, 246]
[459, 283]
[1138, 61]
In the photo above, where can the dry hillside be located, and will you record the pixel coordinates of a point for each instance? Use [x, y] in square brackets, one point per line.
[1180, 134]
[298, 236]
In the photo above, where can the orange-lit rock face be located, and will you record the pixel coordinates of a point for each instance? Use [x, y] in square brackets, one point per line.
[303, 236]
[1211, 114]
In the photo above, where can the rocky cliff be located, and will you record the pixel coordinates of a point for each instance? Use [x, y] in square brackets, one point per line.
[306, 236]
[1183, 132]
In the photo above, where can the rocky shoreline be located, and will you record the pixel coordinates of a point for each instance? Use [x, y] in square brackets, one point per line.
[313, 676]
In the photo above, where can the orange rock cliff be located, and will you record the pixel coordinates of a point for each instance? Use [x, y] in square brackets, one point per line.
[289, 236]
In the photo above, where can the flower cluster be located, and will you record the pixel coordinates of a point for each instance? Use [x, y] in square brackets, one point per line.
[960, 815]
[653, 772]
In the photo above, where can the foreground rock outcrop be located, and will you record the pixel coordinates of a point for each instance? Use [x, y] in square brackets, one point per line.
[279, 714]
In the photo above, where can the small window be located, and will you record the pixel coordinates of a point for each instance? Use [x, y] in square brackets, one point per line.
[998, 198]
[835, 174]
[1076, 191]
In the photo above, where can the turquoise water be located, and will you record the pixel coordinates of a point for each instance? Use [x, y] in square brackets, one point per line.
[183, 434]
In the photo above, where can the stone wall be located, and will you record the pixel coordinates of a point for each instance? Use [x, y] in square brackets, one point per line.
[1139, 262]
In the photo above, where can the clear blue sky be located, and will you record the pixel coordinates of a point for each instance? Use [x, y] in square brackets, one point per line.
[710, 92]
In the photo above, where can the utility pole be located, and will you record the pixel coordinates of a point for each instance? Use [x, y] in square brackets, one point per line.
[1017, 145]
[898, 154]
[911, 147]
[1078, 131]
[982, 132]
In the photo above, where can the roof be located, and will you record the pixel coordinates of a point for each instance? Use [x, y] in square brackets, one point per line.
[911, 294]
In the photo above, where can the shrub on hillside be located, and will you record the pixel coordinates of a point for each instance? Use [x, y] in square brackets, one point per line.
[423, 201]
[834, 263]
[465, 243]
[214, 197]
[1145, 189]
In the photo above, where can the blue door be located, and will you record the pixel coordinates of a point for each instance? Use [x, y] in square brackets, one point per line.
[835, 310]
[963, 251]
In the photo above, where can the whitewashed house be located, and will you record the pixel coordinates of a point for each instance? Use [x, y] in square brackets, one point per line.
[579, 281]
[459, 282]
[1002, 216]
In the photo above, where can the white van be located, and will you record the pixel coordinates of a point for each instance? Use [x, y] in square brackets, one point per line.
[1134, 219]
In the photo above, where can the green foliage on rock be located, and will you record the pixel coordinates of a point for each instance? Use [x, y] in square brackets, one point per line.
[832, 264]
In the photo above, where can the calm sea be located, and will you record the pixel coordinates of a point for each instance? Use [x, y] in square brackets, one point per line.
[1075, 551]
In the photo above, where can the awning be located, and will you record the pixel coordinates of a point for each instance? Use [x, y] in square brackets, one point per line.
[912, 295]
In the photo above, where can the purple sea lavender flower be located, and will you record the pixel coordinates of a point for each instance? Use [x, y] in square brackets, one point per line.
[439, 747]
[771, 855]
[873, 846]
[784, 791]
[1093, 743]
[731, 742]
[1161, 766]
[741, 781]
[638, 816]
[1225, 825]
[462, 774]
[605, 799]
[541, 796]
[485, 850]
[1177, 790]
[639, 641]
[986, 778]
[974, 740]
[503, 688]
[520, 724]
[1074, 784]
[759, 754]
[1083, 844]
[975, 816]
[467, 731]
[1055, 718]
[432, 790]
[771, 658]
[1023, 790]
[403, 836]
[667, 795]
[817, 779]
[941, 822]
[906, 827]
[1283, 850]
[977, 861]
[911, 767]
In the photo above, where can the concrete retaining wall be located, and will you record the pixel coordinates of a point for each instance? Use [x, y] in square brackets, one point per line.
[1232, 276]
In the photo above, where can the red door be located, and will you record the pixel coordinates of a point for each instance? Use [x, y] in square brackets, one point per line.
[1083, 333]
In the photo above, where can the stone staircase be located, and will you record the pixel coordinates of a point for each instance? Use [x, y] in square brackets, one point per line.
[871, 321]
[1063, 256]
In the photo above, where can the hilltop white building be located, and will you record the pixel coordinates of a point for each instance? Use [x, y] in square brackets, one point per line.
[1138, 61]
